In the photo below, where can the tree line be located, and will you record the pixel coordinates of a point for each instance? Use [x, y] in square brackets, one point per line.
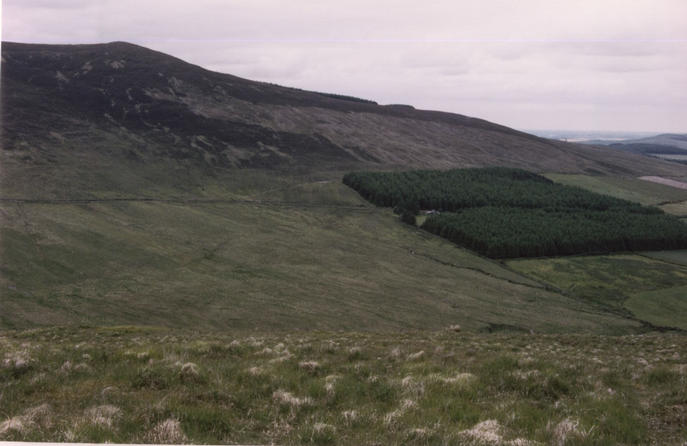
[515, 232]
[456, 189]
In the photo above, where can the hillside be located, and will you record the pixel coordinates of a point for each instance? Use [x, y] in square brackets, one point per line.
[119, 108]
[139, 189]
[666, 140]
[666, 146]
[180, 261]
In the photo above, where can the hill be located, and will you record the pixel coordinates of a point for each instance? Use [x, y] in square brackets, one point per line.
[260, 300]
[119, 106]
[139, 189]
[666, 146]
[666, 140]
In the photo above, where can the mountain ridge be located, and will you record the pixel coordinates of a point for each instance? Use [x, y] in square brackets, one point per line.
[155, 106]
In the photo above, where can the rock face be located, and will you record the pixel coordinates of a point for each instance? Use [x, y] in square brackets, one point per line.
[151, 106]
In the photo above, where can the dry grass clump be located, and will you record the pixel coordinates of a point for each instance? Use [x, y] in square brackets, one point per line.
[526, 374]
[255, 371]
[395, 353]
[319, 433]
[288, 399]
[412, 386]
[141, 355]
[566, 429]
[105, 415]
[484, 432]
[167, 432]
[355, 353]
[13, 424]
[330, 384]
[458, 379]
[320, 428]
[489, 432]
[66, 367]
[329, 346]
[349, 416]
[254, 342]
[283, 354]
[392, 419]
[82, 367]
[522, 442]
[419, 434]
[309, 366]
[190, 370]
[408, 404]
[416, 356]
[525, 361]
[17, 361]
[108, 390]
[32, 418]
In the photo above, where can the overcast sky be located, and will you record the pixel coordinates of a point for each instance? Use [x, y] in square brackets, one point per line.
[528, 64]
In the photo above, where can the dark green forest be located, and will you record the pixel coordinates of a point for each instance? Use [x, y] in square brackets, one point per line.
[506, 213]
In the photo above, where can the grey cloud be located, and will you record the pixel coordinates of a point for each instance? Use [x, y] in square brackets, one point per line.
[53, 4]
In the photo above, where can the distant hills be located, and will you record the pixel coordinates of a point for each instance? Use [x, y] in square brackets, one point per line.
[673, 140]
[667, 146]
[122, 104]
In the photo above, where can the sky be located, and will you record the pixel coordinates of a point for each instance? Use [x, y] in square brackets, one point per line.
[529, 64]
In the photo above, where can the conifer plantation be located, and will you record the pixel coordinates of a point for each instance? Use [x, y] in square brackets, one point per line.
[508, 213]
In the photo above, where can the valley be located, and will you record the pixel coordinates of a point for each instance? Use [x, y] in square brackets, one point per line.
[181, 261]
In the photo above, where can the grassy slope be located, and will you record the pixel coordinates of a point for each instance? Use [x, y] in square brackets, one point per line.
[308, 253]
[665, 307]
[670, 199]
[286, 249]
[678, 208]
[329, 261]
[632, 189]
[419, 388]
[649, 285]
[678, 256]
[608, 280]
